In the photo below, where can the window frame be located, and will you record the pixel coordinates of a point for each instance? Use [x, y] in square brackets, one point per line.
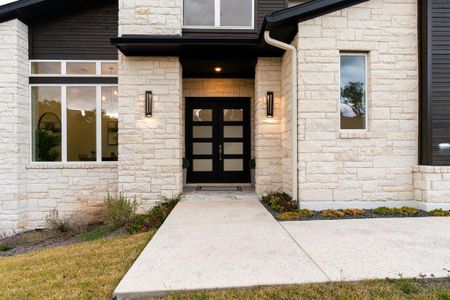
[366, 90]
[98, 68]
[98, 129]
[217, 19]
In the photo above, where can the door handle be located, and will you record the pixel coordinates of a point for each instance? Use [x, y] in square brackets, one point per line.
[220, 152]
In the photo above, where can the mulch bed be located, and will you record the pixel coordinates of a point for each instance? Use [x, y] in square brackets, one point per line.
[39, 239]
[368, 215]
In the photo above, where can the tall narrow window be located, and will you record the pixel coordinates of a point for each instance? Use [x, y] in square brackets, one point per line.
[110, 124]
[81, 123]
[353, 103]
[46, 132]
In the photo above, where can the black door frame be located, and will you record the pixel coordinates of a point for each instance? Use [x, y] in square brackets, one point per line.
[217, 104]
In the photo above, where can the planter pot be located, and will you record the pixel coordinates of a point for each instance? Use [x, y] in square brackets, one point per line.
[253, 177]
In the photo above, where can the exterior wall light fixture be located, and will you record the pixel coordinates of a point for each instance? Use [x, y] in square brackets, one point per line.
[269, 104]
[148, 103]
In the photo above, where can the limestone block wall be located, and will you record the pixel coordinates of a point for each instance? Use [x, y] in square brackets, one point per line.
[222, 87]
[150, 17]
[268, 141]
[72, 188]
[375, 164]
[432, 184]
[150, 148]
[14, 120]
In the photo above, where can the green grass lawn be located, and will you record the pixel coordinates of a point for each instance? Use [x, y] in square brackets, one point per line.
[92, 270]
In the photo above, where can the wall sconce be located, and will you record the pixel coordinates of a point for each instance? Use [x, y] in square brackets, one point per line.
[269, 104]
[148, 103]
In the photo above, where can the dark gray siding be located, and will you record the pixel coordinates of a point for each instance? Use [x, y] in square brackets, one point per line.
[263, 8]
[440, 80]
[76, 33]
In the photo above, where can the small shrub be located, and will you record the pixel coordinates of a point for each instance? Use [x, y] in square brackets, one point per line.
[154, 218]
[406, 286]
[94, 235]
[293, 215]
[383, 210]
[6, 247]
[354, 211]
[119, 210]
[406, 211]
[280, 202]
[56, 222]
[332, 213]
[439, 213]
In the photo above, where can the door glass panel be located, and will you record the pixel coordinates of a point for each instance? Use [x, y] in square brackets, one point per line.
[202, 115]
[202, 165]
[202, 148]
[233, 165]
[233, 131]
[233, 148]
[202, 131]
[233, 115]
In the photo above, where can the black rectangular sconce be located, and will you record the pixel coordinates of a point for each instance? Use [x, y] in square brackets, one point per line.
[148, 103]
[269, 104]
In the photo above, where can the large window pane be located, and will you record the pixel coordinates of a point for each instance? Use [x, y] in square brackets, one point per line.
[353, 92]
[199, 12]
[236, 12]
[81, 120]
[46, 103]
[110, 131]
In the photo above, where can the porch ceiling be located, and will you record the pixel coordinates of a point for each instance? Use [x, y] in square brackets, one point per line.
[231, 68]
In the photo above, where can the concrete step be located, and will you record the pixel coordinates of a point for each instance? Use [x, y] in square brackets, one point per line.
[219, 196]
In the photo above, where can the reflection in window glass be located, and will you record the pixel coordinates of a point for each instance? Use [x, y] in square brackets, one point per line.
[202, 115]
[81, 68]
[199, 12]
[233, 115]
[109, 68]
[110, 124]
[46, 103]
[236, 12]
[49, 68]
[353, 92]
[81, 120]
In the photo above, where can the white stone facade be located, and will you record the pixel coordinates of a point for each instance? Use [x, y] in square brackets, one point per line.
[432, 184]
[377, 164]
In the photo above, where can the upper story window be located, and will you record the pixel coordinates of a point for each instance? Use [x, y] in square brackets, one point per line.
[231, 14]
[353, 99]
[73, 68]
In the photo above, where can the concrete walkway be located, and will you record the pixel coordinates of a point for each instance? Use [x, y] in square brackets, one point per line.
[225, 244]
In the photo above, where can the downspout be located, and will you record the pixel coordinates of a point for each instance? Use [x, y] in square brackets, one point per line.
[294, 62]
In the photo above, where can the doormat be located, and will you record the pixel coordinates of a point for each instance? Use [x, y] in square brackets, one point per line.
[219, 188]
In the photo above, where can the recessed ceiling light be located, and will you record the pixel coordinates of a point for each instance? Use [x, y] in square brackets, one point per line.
[218, 69]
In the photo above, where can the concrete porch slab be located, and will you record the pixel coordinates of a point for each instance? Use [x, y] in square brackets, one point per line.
[218, 244]
[376, 248]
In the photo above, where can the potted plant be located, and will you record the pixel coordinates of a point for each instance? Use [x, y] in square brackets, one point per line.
[252, 165]
[186, 165]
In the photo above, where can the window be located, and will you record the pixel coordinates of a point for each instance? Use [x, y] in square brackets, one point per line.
[353, 100]
[42, 68]
[87, 131]
[238, 14]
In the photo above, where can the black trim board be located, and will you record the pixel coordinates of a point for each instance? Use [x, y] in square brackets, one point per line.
[74, 80]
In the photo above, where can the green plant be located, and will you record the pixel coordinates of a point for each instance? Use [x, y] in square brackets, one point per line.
[406, 286]
[119, 210]
[293, 215]
[186, 163]
[406, 211]
[383, 210]
[6, 247]
[154, 218]
[280, 202]
[354, 211]
[439, 213]
[252, 164]
[94, 235]
[332, 213]
[46, 144]
[56, 222]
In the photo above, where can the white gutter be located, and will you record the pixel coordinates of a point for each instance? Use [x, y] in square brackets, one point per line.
[294, 63]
